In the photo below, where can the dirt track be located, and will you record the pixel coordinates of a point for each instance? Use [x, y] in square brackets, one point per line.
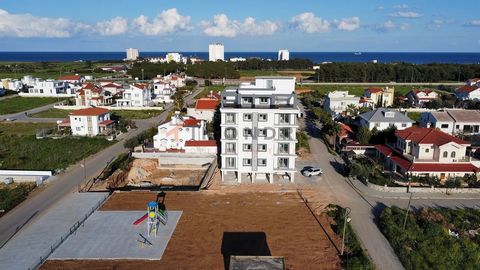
[274, 223]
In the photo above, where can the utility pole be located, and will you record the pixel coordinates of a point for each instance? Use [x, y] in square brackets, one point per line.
[406, 213]
[346, 219]
[143, 78]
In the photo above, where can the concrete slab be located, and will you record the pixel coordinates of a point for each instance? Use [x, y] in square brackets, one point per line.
[112, 235]
[24, 250]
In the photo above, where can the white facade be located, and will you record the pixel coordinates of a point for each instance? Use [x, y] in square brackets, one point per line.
[11, 84]
[137, 95]
[338, 101]
[382, 119]
[216, 52]
[452, 121]
[238, 59]
[283, 55]
[162, 92]
[132, 54]
[258, 127]
[51, 88]
[90, 122]
[174, 134]
[175, 57]
[470, 91]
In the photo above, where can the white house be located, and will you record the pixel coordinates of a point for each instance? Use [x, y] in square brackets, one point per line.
[175, 57]
[337, 102]
[377, 96]
[112, 88]
[50, 88]
[11, 84]
[89, 122]
[216, 52]
[176, 132]
[258, 130]
[470, 91]
[427, 152]
[452, 121]
[420, 97]
[92, 95]
[137, 95]
[204, 108]
[201, 147]
[162, 92]
[383, 118]
[73, 79]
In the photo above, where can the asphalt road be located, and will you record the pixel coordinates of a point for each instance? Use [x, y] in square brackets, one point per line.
[69, 181]
[22, 117]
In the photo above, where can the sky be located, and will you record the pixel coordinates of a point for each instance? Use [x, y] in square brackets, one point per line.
[241, 25]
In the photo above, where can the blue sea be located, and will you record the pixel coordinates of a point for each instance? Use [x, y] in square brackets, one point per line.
[316, 57]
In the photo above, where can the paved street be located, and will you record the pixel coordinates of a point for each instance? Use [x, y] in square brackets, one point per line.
[68, 182]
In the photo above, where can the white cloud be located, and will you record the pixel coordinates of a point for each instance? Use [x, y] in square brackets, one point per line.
[385, 27]
[167, 21]
[347, 24]
[401, 6]
[222, 26]
[474, 23]
[115, 26]
[309, 23]
[438, 23]
[27, 25]
[406, 14]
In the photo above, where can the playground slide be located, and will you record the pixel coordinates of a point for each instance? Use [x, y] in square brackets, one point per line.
[140, 220]
[162, 217]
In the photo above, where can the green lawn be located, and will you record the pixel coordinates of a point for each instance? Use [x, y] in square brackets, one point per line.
[206, 91]
[131, 114]
[20, 104]
[415, 116]
[52, 113]
[20, 129]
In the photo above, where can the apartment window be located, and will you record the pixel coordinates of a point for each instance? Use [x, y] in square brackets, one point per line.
[230, 162]
[262, 117]
[283, 148]
[452, 155]
[137, 95]
[230, 118]
[284, 133]
[247, 132]
[404, 125]
[262, 162]
[457, 126]
[247, 147]
[247, 162]
[264, 100]
[444, 126]
[78, 129]
[377, 124]
[247, 100]
[445, 154]
[262, 148]
[230, 147]
[230, 133]
[262, 133]
[283, 162]
[427, 150]
[247, 117]
[284, 118]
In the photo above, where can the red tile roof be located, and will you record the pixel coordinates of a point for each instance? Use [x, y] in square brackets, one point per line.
[192, 143]
[467, 89]
[435, 167]
[385, 150]
[106, 123]
[345, 130]
[426, 91]
[64, 123]
[401, 161]
[191, 122]
[70, 78]
[375, 89]
[207, 104]
[427, 136]
[112, 85]
[140, 85]
[89, 111]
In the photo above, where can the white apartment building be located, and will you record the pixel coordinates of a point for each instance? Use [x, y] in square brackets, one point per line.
[337, 102]
[162, 92]
[216, 52]
[50, 88]
[283, 55]
[452, 121]
[176, 132]
[137, 95]
[258, 130]
[132, 54]
[89, 122]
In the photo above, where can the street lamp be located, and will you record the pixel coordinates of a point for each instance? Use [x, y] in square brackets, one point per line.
[346, 219]
[142, 74]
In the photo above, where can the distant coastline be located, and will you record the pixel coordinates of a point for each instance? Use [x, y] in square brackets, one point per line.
[316, 57]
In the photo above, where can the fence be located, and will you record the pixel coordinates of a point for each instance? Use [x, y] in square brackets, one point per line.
[112, 108]
[62, 239]
[207, 178]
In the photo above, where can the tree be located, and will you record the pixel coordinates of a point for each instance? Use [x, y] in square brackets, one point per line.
[364, 135]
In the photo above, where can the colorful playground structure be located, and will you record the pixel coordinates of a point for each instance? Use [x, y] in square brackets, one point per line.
[154, 217]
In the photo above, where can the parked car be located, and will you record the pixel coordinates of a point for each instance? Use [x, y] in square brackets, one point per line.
[310, 171]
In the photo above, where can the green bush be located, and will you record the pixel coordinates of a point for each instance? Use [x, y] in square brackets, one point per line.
[140, 138]
[11, 197]
[302, 141]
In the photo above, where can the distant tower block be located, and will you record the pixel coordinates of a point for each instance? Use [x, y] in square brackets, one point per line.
[132, 54]
[283, 55]
[216, 52]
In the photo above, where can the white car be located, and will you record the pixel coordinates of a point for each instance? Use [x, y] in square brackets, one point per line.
[311, 171]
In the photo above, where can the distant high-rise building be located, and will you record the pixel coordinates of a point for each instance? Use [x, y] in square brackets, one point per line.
[132, 54]
[283, 55]
[215, 52]
[176, 57]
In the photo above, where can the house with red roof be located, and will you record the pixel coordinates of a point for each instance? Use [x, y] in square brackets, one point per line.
[377, 96]
[73, 79]
[470, 91]
[137, 95]
[175, 133]
[428, 152]
[204, 109]
[91, 121]
[92, 95]
[418, 97]
[112, 88]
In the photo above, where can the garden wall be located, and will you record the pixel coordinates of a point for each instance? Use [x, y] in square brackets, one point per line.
[425, 189]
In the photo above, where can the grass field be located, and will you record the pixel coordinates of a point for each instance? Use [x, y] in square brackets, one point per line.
[207, 89]
[131, 114]
[52, 113]
[357, 90]
[13, 194]
[19, 149]
[20, 104]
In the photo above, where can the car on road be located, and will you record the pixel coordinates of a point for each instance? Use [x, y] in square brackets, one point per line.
[310, 171]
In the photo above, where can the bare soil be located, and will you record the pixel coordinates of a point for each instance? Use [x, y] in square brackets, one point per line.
[218, 223]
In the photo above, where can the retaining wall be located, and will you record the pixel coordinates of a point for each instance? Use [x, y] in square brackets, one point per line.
[425, 189]
[74, 107]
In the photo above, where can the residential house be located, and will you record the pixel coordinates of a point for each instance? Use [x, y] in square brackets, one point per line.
[201, 147]
[336, 102]
[380, 97]
[427, 152]
[12, 84]
[383, 118]
[73, 79]
[419, 97]
[89, 122]
[452, 121]
[470, 91]
[50, 88]
[137, 95]
[176, 132]
[258, 130]
[204, 109]
[92, 95]
[114, 89]
[162, 92]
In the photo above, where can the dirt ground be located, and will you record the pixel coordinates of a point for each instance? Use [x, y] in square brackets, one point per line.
[218, 223]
